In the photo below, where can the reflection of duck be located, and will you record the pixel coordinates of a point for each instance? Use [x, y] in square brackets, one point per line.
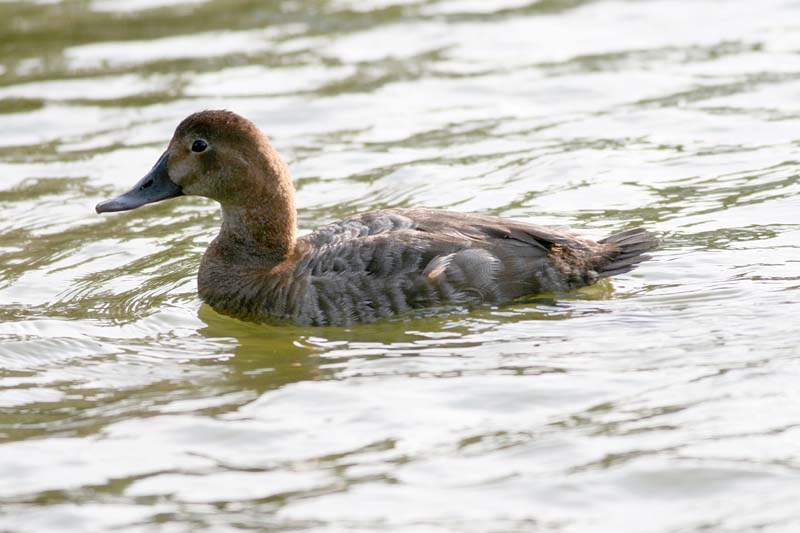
[361, 268]
[264, 356]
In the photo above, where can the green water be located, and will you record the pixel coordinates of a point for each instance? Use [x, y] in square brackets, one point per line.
[664, 401]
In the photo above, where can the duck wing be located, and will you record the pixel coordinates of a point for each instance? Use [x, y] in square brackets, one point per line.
[386, 262]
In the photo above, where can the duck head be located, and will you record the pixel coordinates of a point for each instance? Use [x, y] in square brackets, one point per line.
[215, 154]
[225, 157]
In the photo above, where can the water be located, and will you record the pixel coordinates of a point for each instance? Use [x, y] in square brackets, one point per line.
[663, 401]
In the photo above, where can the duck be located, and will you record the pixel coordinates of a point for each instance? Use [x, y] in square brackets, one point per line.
[366, 267]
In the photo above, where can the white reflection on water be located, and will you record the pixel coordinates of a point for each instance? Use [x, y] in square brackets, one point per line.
[123, 6]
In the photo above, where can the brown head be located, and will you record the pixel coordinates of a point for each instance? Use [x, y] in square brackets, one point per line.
[225, 157]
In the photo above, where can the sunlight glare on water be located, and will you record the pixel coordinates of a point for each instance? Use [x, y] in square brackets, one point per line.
[665, 400]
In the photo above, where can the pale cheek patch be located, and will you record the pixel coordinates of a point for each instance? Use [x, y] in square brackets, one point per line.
[180, 173]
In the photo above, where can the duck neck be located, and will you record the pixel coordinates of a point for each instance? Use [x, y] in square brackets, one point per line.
[266, 230]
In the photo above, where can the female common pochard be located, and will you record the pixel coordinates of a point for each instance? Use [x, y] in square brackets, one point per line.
[365, 267]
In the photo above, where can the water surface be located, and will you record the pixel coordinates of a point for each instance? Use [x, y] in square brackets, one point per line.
[663, 401]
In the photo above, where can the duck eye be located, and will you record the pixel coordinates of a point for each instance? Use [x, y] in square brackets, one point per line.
[199, 145]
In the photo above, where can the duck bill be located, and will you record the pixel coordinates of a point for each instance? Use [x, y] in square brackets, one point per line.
[154, 187]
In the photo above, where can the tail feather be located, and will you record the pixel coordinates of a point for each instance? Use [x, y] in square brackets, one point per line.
[625, 250]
